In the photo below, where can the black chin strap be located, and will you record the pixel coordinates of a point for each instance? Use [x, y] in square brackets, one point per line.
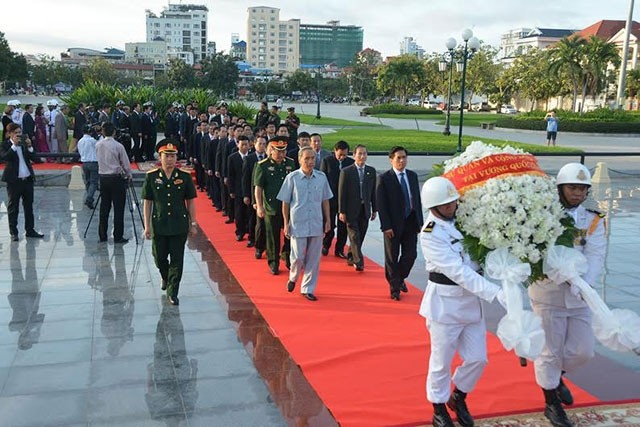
[446, 218]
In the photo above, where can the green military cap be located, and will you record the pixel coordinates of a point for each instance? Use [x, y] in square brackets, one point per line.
[279, 142]
[167, 145]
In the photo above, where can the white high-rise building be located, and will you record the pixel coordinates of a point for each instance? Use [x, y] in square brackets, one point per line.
[183, 27]
[408, 46]
[272, 44]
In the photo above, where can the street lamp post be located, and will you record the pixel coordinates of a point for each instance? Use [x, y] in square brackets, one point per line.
[451, 44]
[318, 92]
[471, 44]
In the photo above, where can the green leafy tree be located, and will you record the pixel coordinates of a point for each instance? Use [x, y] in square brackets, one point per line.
[301, 81]
[482, 71]
[50, 72]
[219, 74]
[100, 70]
[179, 74]
[401, 76]
[598, 55]
[364, 70]
[13, 66]
[633, 83]
[531, 78]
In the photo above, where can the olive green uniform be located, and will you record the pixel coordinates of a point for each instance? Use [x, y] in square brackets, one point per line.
[269, 175]
[169, 222]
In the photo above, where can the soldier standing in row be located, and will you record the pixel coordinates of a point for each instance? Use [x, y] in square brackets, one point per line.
[169, 195]
[268, 177]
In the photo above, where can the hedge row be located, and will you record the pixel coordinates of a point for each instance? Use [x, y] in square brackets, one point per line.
[399, 109]
[585, 126]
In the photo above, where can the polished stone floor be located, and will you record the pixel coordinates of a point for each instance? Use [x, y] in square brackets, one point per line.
[89, 339]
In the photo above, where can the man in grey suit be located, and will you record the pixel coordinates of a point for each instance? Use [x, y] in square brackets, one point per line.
[400, 211]
[357, 203]
[321, 153]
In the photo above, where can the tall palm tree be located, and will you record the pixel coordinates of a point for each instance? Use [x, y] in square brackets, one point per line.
[567, 55]
[598, 54]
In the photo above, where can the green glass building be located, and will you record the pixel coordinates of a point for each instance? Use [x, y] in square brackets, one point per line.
[329, 44]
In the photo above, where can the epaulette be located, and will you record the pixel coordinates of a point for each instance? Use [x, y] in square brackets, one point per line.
[153, 170]
[429, 227]
[593, 211]
[263, 160]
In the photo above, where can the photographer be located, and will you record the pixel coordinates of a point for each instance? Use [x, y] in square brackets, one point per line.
[114, 170]
[552, 127]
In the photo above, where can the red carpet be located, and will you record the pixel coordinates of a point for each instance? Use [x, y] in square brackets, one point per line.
[58, 166]
[364, 354]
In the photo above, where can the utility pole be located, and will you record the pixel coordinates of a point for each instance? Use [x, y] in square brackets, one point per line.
[622, 80]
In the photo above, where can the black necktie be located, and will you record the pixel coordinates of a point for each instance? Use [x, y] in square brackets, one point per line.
[407, 199]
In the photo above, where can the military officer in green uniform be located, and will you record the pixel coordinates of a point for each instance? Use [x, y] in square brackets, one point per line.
[169, 216]
[268, 176]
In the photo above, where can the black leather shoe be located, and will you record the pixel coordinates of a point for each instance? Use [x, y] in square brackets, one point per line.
[15, 238]
[341, 255]
[250, 244]
[34, 234]
[173, 300]
[229, 221]
[359, 268]
[121, 241]
[556, 415]
[310, 297]
[258, 253]
[441, 417]
[291, 286]
[457, 404]
[395, 296]
[163, 284]
[403, 287]
[325, 251]
[239, 238]
[564, 394]
[274, 270]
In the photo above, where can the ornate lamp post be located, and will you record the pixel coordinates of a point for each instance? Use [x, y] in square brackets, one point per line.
[318, 92]
[447, 60]
[471, 44]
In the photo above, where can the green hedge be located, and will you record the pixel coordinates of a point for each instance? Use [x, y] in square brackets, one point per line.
[571, 125]
[399, 109]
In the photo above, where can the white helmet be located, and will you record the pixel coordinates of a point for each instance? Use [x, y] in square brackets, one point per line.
[14, 103]
[573, 173]
[438, 191]
[52, 103]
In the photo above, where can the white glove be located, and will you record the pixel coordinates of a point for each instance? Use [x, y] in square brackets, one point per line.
[575, 291]
[501, 298]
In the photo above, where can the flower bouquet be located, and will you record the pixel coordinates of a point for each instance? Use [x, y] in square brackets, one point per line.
[509, 214]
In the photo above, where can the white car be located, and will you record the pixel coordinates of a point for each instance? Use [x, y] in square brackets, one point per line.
[508, 109]
[430, 105]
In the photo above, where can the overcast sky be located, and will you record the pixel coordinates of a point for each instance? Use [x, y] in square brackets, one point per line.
[51, 27]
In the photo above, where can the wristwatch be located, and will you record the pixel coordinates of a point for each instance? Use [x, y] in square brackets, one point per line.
[194, 223]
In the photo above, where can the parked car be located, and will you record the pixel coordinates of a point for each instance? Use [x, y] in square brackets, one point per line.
[414, 101]
[508, 109]
[430, 105]
[456, 107]
[480, 106]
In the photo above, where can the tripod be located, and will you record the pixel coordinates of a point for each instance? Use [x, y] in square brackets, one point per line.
[131, 200]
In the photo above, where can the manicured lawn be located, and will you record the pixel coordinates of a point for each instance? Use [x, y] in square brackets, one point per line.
[414, 140]
[310, 119]
[470, 119]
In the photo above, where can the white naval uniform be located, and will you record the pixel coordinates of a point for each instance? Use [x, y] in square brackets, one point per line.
[454, 313]
[16, 116]
[52, 141]
[566, 319]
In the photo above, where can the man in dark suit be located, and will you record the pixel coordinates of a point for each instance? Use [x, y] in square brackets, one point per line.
[255, 224]
[357, 203]
[146, 129]
[234, 183]
[136, 132]
[213, 183]
[79, 123]
[19, 176]
[331, 166]
[400, 211]
[28, 123]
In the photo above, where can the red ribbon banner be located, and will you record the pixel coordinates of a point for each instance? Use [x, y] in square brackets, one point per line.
[478, 172]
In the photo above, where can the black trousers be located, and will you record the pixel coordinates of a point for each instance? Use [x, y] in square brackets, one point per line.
[273, 225]
[148, 146]
[213, 189]
[136, 150]
[21, 189]
[400, 253]
[256, 230]
[241, 213]
[357, 230]
[342, 232]
[113, 191]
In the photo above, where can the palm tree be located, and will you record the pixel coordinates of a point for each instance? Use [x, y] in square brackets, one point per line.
[598, 54]
[567, 55]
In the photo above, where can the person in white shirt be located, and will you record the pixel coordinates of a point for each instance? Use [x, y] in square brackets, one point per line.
[566, 319]
[452, 306]
[87, 150]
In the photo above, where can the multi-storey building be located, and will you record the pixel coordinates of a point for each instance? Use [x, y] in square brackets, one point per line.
[329, 44]
[519, 41]
[183, 27]
[146, 52]
[408, 46]
[272, 44]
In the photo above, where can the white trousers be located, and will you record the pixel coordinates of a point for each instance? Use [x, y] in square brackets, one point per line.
[569, 342]
[471, 343]
[305, 256]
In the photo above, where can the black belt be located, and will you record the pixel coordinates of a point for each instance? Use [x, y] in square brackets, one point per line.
[441, 279]
[26, 178]
[111, 175]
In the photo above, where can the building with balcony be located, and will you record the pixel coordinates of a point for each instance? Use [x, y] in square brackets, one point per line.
[183, 27]
[408, 46]
[519, 41]
[154, 52]
[272, 44]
